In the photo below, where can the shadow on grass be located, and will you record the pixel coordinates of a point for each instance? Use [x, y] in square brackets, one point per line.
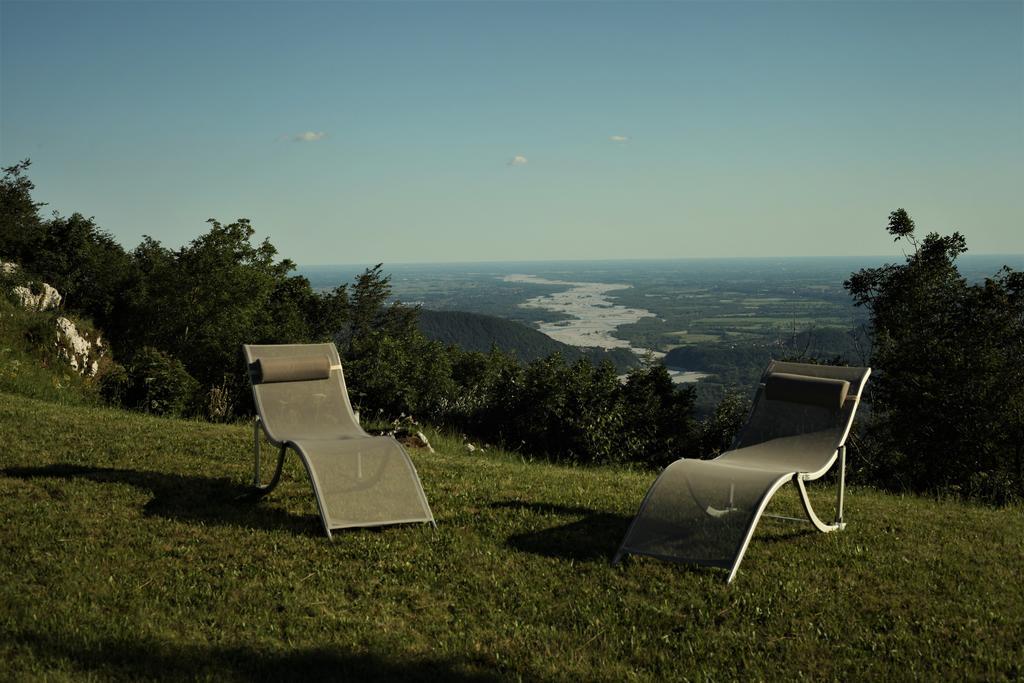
[136, 660]
[782, 532]
[595, 537]
[180, 497]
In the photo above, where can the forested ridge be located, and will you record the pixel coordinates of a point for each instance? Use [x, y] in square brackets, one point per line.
[480, 332]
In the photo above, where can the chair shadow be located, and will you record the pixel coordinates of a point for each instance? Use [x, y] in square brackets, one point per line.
[134, 660]
[768, 534]
[595, 537]
[213, 502]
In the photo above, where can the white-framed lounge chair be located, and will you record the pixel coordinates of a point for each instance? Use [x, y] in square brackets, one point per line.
[705, 511]
[301, 401]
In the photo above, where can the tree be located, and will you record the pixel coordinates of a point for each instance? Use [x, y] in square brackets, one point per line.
[201, 302]
[21, 229]
[948, 388]
[659, 424]
[89, 268]
[391, 368]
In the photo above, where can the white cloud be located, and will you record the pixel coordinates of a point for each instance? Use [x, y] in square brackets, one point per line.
[619, 138]
[309, 136]
[518, 160]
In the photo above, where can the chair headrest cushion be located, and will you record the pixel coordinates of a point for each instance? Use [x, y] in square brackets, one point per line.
[816, 391]
[294, 369]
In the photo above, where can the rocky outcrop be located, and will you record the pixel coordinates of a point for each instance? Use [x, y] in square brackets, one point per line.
[35, 296]
[46, 299]
[75, 347]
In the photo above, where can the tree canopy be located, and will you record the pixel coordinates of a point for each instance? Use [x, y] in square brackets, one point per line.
[947, 396]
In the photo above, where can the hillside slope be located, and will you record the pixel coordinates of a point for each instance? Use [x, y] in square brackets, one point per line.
[127, 555]
[29, 362]
[479, 332]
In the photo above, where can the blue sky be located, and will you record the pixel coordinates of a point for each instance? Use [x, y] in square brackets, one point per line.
[426, 131]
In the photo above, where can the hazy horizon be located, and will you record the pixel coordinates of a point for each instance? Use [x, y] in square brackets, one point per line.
[476, 132]
[655, 259]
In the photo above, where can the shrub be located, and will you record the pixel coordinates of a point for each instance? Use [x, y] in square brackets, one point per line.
[659, 424]
[719, 430]
[155, 382]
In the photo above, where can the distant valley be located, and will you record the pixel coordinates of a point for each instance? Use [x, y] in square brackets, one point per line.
[480, 332]
[722, 317]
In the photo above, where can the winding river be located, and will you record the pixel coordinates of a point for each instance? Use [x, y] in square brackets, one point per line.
[593, 317]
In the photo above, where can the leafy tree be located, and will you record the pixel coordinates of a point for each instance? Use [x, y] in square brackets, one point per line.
[483, 382]
[21, 229]
[200, 303]
[89, 268]
[948, 388]
[390, 367]
[571, 412]
[719, 430]
[658, 416]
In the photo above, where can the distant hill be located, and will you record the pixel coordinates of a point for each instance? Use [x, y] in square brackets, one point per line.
[478, 332]
[743, 364]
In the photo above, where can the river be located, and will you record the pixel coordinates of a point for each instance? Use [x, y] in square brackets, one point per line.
[593, 318]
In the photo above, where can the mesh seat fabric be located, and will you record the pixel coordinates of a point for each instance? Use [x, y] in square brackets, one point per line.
[358, 479]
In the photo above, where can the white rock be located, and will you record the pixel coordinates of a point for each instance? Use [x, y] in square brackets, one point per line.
[470, 448]
[73, 347]
[422, 438]
[74, 341]
[44, 301]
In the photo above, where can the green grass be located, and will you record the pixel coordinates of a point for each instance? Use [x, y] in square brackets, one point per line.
[28, 359]
[125, 554]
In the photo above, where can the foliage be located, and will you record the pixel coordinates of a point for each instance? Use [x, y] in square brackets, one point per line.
[567, 411]
[391, 377]
[390, 367]
[200, 303]
[658, 417]
[87, 266]
[153, 382]
[572, 411]
[84, 263]
[720, 429]
[948, 390]
[21, 230]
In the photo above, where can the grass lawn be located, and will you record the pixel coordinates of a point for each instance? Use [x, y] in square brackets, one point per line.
[126, 555]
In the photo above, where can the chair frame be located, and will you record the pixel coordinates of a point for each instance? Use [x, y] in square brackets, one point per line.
[798, 478]
[258, 490]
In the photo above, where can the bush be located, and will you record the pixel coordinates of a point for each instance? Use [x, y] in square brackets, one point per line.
[154, 382]
[719, 430]
[659, 424]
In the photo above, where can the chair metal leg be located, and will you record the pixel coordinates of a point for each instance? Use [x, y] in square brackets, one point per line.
[256, 451]
[842, 486]
[815, 520]
[260, 490]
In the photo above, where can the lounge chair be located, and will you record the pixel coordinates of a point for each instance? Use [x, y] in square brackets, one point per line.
[359, 480]
[705, 511]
